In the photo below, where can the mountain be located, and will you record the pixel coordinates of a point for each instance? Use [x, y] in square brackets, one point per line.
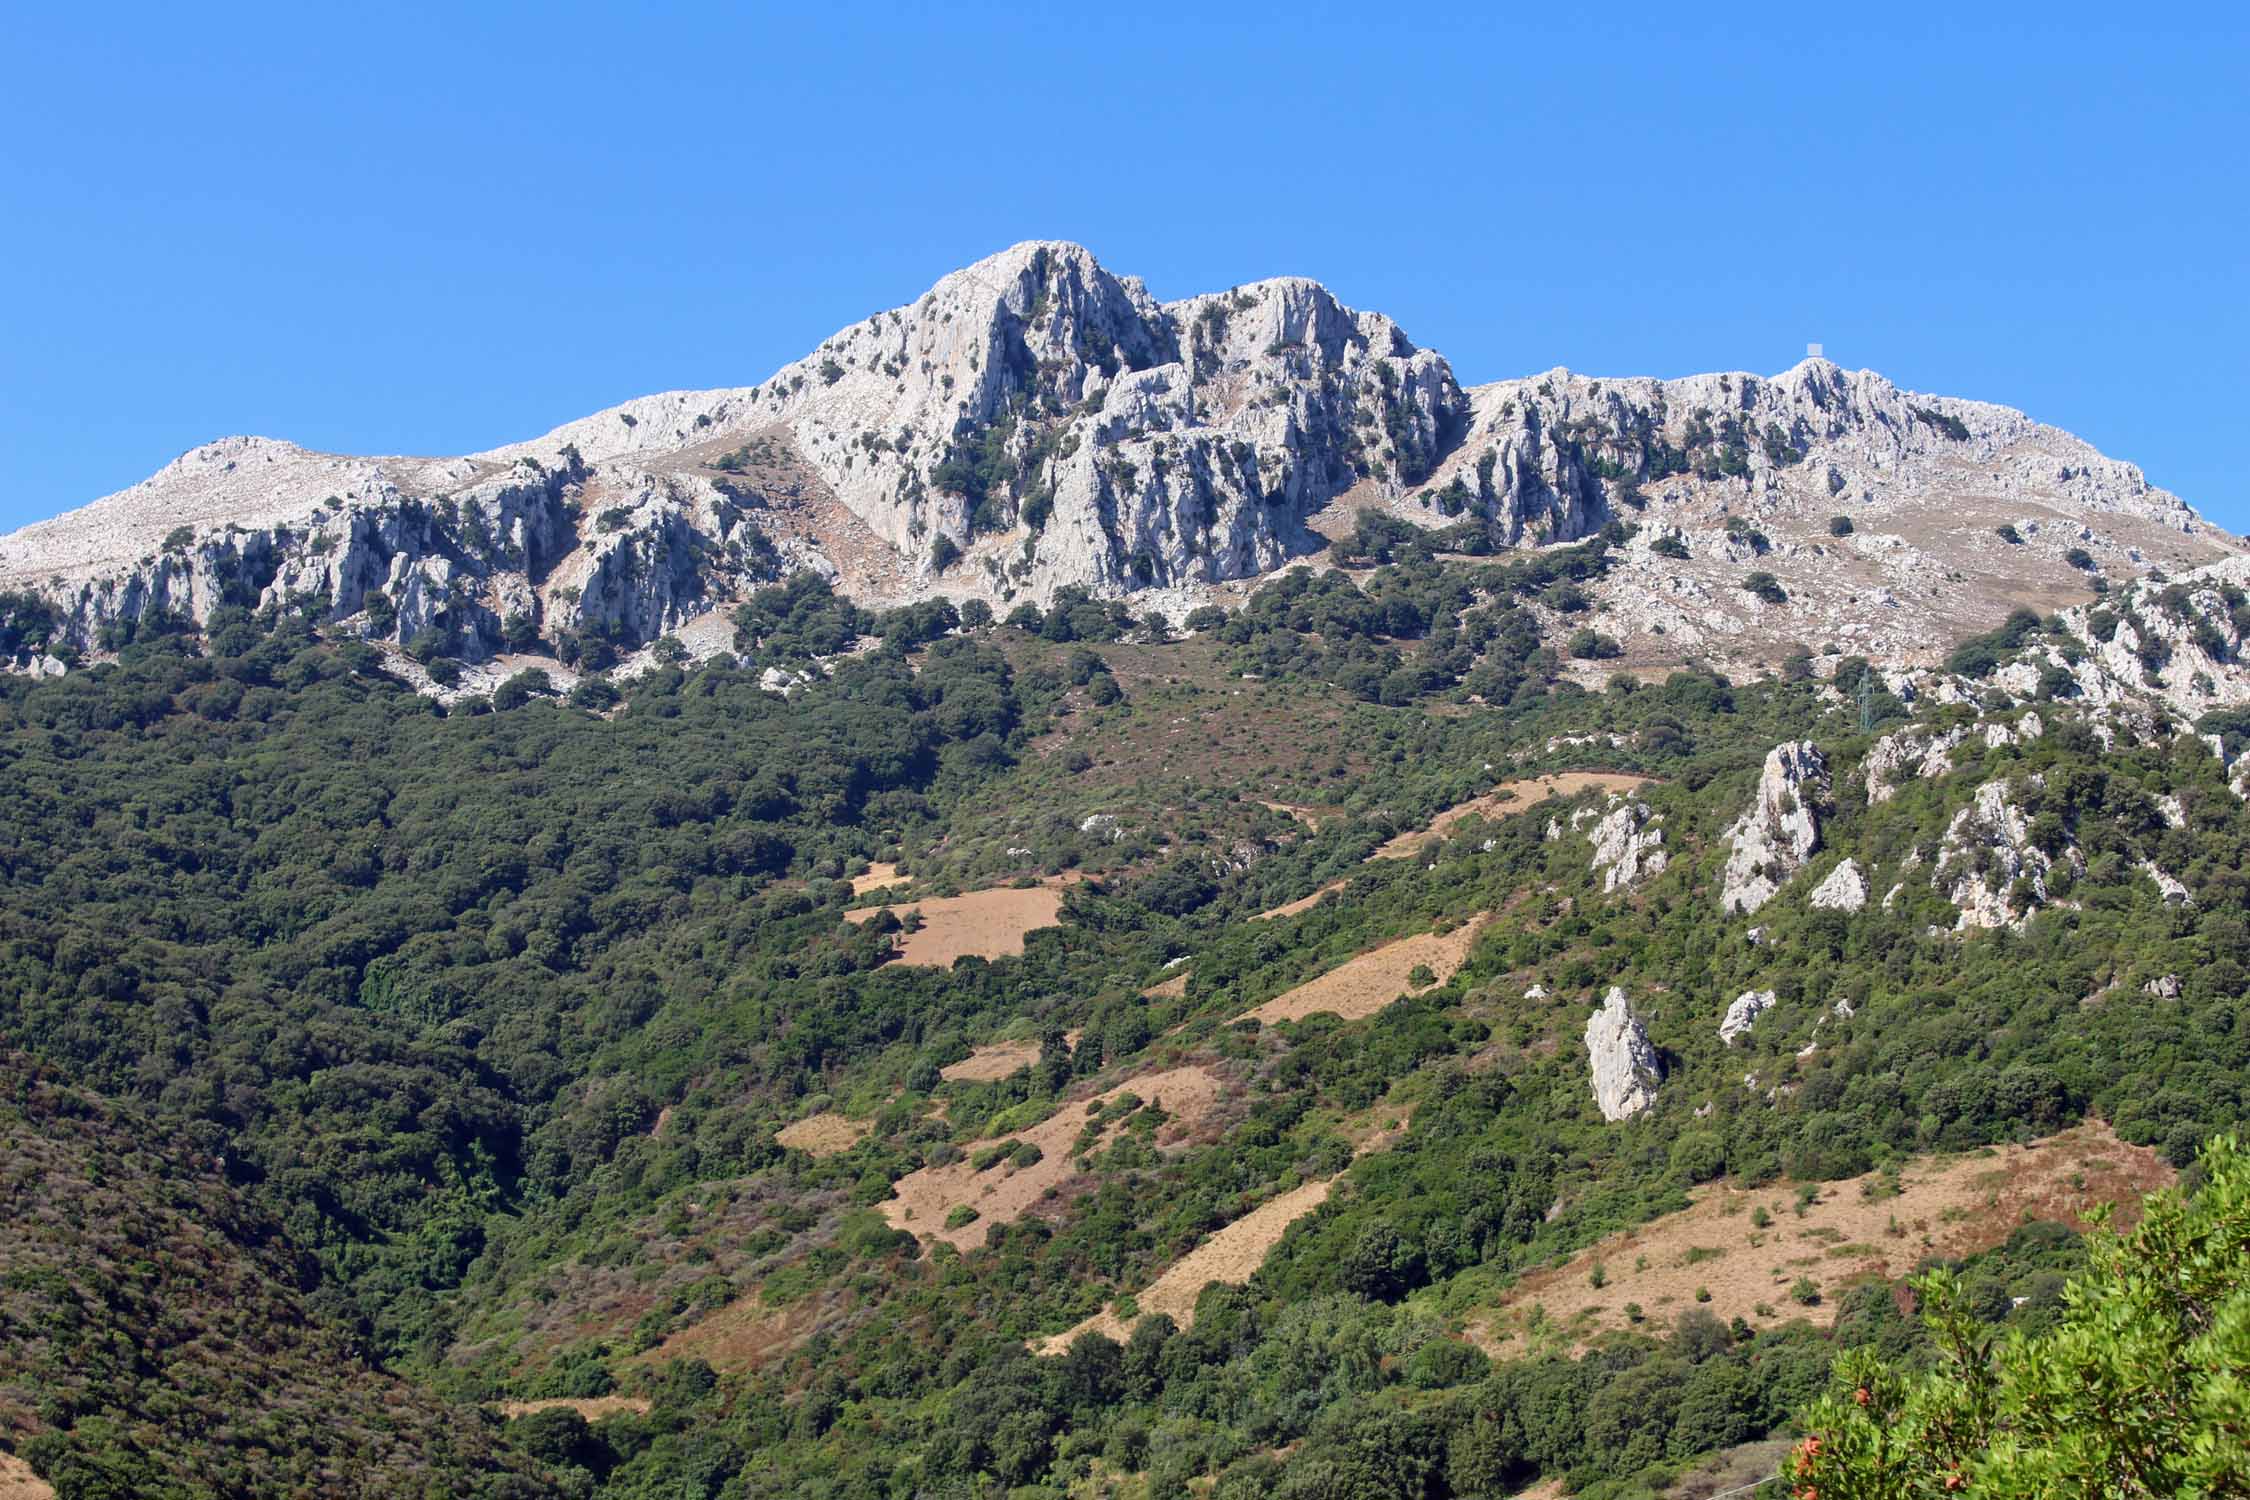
[1034, 423]
[1510, 1001]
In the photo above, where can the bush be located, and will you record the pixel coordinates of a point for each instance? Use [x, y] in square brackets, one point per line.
[1804, 1293]
[2008, 533]
[1765, 586]
[1840, 526]
[2080, 558]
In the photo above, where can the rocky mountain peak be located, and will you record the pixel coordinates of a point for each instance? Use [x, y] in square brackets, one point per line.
[1034, 422]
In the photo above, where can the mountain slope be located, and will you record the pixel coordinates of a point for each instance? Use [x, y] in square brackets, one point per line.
[155, 1336]
[1035, 423]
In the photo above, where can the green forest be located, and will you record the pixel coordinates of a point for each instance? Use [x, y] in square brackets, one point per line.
[371, 1062]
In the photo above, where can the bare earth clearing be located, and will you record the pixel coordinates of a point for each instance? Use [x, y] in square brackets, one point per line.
[592, 1408]
[17, 1482]
[1951, 1206]
[991, 1062]
[823, 1134]
[1361, 986]
[1167, 989]
[1233, 1254]
[878, 877]
[1506, 800]
[1004, 1192]
[989, 924]
[1302, 903]
[744, 1334]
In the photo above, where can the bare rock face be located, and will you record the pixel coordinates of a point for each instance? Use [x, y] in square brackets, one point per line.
[1034, 423]
[1845, 889]
[1628, 845]
[1780, 829]
[1743, 1014]
[1625, 1071]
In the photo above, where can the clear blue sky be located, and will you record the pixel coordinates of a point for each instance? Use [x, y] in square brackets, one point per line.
[391, 229]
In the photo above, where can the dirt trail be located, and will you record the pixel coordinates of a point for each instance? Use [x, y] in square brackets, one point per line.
[1508, 799]
[824, 1134]
[1003, 1192]
[989, 924]
[1952, 1206]
[1361, 986]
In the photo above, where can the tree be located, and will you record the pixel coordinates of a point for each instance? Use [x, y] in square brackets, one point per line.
[2140, 1391]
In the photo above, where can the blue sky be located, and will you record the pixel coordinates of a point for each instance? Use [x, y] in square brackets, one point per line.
[436, 229]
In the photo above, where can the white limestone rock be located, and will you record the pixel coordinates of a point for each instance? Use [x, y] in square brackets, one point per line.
[1743, 1014]
[1624, 1065]
[1845, 889]
[1780, 829]
[1628, 845]
[1986, 850]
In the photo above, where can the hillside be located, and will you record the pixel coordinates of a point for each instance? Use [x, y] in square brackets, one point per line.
[157, 1335]
[580, 1047]
[1035, 424]
[618, 967]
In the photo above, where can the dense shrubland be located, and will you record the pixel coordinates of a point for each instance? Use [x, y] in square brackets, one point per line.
[428, 983]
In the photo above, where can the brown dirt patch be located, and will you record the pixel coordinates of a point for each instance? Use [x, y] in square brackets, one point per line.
[1506, 800]
[988, 924]
[991, 1062]
[877, 877]
[592, 1408]
[1361, 986]
[1951, 1206]
[1003, 1193]
[1231, 1255]
[1167, 989]
[1302, 903]
[824, 1134]
[1309, 816]
[17, 1482]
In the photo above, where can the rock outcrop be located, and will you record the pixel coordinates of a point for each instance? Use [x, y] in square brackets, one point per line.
[1986, 852]
[1780, 829]
[1628, 844]
[1035, 422]
[1743, 1014]
[1623, 1063]
[1843, 889]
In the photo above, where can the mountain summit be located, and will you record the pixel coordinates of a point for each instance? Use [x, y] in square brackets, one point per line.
[1034, 422]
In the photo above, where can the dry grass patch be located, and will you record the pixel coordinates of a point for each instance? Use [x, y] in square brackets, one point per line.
[1949, 1206]
[746, 1333]
[988, 924]
[991, 1062]
[1302, 903]
[17, 1482]
[1231, 1255]
[1167, 989]
[824, 1134]
[878, 877]
[1361, 986]
[1506, 800]
[928, 1197]
[592, 1408]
